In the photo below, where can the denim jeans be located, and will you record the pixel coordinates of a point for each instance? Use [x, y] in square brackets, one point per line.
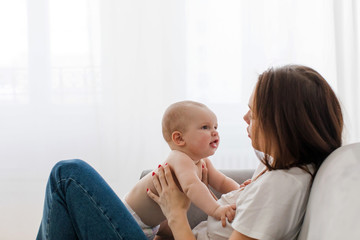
[79, 204]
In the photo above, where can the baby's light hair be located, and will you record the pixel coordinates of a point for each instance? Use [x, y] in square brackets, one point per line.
[176, 116]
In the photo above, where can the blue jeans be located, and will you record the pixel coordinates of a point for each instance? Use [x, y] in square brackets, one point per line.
[79, 204]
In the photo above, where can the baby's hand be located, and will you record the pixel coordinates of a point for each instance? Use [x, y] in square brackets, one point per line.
[247, 182]
[223, 212]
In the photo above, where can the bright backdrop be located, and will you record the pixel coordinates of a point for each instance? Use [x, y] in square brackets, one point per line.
[91, 79]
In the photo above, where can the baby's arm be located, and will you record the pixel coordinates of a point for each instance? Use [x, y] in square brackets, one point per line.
[218, 180]
[186, 173]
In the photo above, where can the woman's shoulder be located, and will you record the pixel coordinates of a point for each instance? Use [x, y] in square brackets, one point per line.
[294, 176]
[277, 186]
[276, 194]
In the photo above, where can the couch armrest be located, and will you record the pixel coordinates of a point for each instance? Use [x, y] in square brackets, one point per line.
[195, 215]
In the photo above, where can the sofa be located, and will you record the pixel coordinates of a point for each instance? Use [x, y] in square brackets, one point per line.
[334, 203]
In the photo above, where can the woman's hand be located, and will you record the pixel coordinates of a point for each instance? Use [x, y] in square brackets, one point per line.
[173, 203]
[171, 200]
[204, 175]
[204, 179]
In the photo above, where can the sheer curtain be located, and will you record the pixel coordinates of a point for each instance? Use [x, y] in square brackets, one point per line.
[230, 42]
[91, 79]
[347, 58]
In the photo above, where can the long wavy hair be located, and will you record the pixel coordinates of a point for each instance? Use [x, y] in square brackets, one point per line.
[298, 115]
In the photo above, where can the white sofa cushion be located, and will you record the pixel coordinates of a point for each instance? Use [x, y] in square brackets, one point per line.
[334, 204]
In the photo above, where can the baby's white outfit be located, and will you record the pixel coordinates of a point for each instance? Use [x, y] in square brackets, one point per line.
[149, 232]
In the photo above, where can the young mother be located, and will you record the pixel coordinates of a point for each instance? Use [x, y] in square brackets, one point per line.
[295, 119]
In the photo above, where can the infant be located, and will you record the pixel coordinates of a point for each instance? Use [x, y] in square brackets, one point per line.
[190, 129]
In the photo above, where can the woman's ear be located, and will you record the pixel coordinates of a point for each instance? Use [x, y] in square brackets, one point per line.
[177, 138]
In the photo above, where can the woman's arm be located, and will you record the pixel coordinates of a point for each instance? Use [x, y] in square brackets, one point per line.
[173, 203]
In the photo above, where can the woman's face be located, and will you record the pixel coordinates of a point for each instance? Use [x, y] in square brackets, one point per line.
[256, 142]
[248, 115]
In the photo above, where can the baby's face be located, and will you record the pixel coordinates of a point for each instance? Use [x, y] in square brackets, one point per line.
[201, 135]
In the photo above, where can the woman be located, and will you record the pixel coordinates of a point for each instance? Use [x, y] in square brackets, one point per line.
[295, 119]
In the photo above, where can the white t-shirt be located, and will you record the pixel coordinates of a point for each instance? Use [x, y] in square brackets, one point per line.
[271, 207]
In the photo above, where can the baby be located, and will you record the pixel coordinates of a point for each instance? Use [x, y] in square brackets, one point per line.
[190, 129]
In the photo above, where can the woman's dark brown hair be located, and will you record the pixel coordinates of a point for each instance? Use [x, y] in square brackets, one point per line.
[299, 115]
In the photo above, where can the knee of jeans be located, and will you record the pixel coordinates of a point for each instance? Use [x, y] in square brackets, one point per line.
[65, 167]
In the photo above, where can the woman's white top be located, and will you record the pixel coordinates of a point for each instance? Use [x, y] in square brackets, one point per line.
[271, 207]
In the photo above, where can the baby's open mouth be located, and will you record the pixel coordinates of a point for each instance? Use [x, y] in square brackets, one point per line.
[215, 143]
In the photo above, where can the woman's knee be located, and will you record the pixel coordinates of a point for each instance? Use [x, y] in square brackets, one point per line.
[69, 167]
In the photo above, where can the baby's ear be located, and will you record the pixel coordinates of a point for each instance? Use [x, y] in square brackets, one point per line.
[177, 138]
